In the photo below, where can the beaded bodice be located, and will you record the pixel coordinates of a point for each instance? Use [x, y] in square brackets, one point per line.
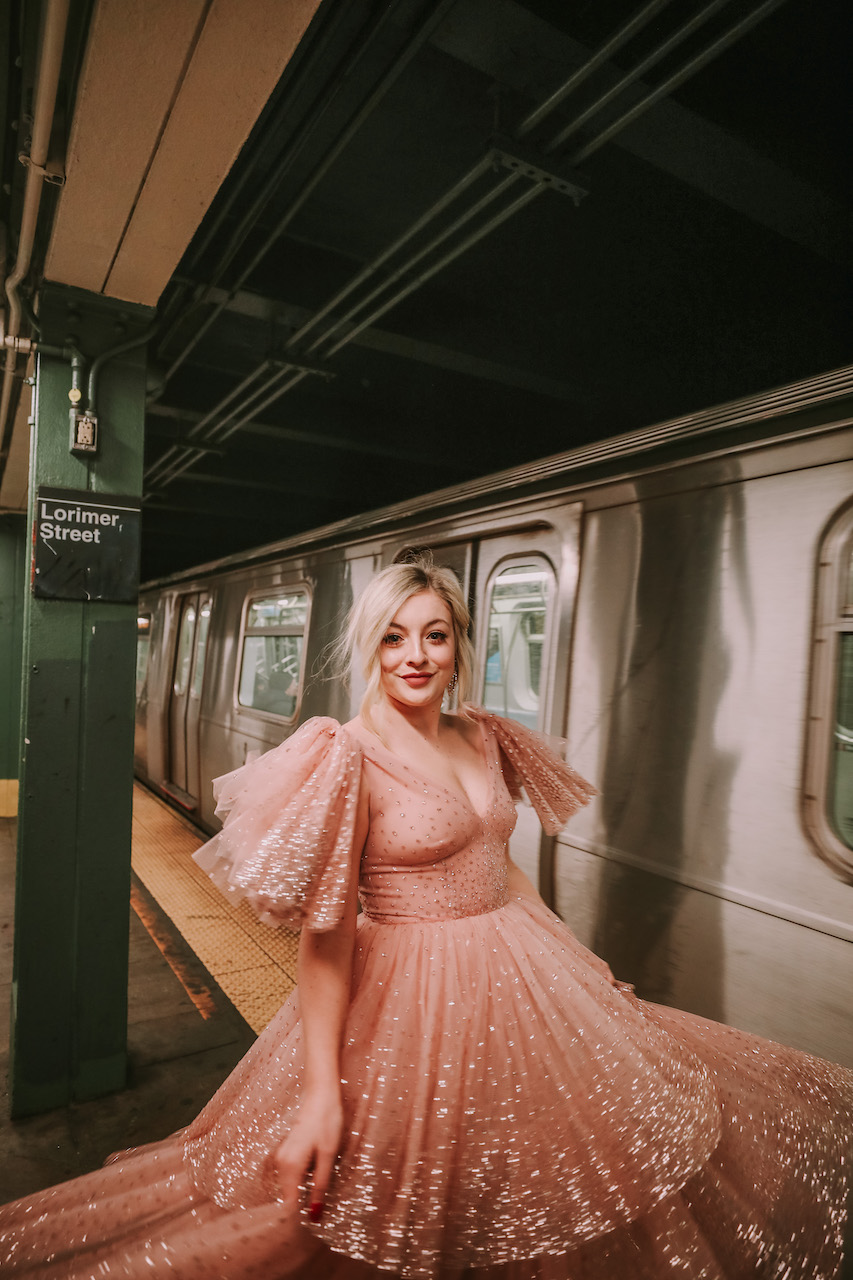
[429, 854]
[290, 817]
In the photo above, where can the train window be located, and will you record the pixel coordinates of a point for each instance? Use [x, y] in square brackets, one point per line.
[273, 639]
[143, 646]
[200, 647]
[841, 780]
[185, 650]
[518, 603]
[829, 764]
[840, 790]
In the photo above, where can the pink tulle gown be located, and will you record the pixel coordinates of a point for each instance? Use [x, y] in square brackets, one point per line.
[511, 1114]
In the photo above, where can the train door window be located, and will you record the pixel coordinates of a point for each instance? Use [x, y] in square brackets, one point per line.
[143, 647]
[829, 761]
[840, 790]
[184, 658]
[272, 652]
[841, 780]
[519, 602]
[200, 647]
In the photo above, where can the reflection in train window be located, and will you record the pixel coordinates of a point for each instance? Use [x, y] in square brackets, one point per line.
[185, 650]
[143, 646]
[273, 639]
[200, 647]
[518, 605]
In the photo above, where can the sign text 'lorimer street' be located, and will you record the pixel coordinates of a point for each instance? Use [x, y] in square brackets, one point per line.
[87, 516]
[86, 546]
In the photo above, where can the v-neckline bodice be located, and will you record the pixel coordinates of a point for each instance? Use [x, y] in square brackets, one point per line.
[458, 792]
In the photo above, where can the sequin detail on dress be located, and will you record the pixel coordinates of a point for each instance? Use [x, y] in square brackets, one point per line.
[289, 820]
[511, 1114]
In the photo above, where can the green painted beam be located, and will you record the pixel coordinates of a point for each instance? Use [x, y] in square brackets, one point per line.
[69, 991]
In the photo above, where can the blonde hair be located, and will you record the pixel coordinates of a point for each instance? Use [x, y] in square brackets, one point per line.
[375, 609]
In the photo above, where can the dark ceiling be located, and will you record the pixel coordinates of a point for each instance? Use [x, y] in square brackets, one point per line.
[592, 284]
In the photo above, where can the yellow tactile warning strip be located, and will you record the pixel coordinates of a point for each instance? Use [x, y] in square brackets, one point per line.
[253, 964]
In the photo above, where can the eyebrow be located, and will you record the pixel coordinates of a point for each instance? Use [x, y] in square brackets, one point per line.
[397, 626]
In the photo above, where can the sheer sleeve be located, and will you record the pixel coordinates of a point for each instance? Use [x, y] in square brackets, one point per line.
[532, 767]
[289, 823]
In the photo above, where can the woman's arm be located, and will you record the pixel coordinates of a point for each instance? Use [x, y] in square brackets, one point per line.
[325, 975]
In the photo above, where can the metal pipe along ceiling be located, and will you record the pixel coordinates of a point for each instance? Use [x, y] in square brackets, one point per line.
[677, 78]
[52, 41]
[651, 60]
[619, 38]
[277, 383]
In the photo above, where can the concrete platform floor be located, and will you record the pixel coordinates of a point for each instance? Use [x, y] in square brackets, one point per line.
[184, 1034]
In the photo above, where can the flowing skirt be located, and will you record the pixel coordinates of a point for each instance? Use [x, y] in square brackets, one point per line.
[510, 1115]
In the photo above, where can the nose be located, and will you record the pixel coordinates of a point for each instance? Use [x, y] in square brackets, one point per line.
[416, 656]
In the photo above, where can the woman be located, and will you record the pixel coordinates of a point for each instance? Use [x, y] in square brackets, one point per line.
[458, 1087]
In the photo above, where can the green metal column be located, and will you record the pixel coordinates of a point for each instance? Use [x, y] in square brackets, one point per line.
[12, 558]
[69, 988]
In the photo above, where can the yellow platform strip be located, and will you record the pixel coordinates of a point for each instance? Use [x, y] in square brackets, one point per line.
[253, 964]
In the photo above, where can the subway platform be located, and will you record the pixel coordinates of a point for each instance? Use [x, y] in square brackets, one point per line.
[204, 980]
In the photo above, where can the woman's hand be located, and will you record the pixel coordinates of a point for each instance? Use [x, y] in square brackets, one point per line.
[312, 1144]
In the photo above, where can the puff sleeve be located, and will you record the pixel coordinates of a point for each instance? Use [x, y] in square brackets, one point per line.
[532, 767]
[289, 823]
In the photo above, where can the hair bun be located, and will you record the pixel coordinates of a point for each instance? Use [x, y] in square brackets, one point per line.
[420, 556]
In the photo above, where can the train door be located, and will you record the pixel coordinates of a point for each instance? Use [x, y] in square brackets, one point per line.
[185, 698]
[523, 593]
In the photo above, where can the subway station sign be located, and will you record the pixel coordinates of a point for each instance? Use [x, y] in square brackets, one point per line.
[86, 546]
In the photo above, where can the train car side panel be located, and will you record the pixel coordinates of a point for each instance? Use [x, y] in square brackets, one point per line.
[690, 679]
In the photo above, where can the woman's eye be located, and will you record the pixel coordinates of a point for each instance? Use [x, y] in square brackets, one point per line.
[392, 638]
[438, 636]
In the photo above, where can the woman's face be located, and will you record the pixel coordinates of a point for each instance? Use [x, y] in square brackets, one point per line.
[418, 652]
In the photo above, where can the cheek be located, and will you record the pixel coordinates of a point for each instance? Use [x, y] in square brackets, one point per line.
[387, 659]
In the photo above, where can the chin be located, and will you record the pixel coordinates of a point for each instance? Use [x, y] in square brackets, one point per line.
[424, 697]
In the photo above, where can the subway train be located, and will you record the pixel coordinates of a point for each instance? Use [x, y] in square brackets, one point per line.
[677, 604]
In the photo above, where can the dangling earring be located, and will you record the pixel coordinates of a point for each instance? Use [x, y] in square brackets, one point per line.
[453, 681]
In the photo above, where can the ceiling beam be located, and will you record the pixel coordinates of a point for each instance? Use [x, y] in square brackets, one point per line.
[668, 136]
[271, 312]
[157, 415]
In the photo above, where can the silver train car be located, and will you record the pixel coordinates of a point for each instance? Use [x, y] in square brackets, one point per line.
[677, 603]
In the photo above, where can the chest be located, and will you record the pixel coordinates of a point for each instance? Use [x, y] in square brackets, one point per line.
[417, 820]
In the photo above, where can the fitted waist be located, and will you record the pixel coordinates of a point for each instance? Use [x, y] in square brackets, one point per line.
[443, 890]
[406, 914]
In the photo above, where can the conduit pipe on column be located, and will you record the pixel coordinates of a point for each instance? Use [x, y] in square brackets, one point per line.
[98, 363]
[51, 45]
